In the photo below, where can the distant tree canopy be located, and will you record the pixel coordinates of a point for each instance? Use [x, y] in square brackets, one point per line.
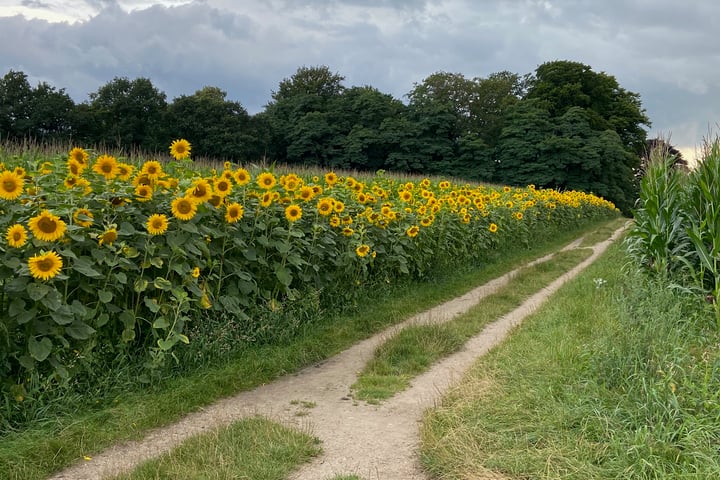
[564, 126]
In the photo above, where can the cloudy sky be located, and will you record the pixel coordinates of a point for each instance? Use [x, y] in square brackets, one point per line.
[665, 50]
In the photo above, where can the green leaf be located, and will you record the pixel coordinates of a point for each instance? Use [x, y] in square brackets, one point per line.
[121, 278]
[12, 262]
[152, 304]
[157, 262]
[52, 300]
[140, 285]
[39, 350]
[27, 362]
[283, 275]
[102, 319]
[126, 229]
[105, 296]
[16, 307]
[62, 315]
[162, 284]
[79, 330]
[161, 323]
[188, 227]
[166, 345]
[128, 335]
[36, 291]
[127, 318]
[27, 316]
[84, 266]
[184, 339]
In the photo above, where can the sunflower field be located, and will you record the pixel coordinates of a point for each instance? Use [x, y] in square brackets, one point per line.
[103, 258]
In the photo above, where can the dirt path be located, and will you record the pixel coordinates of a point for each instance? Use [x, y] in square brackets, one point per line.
[372, 441]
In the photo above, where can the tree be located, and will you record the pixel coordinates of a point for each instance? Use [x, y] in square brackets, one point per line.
[561, 85]
[215, 126]
[129, 113]
[51, 113]
[15, 105]
[318, 81]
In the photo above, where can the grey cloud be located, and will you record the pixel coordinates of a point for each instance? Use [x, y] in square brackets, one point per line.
[664, 52]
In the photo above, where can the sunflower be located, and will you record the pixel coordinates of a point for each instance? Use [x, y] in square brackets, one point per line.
[362, 250]
[347, 231]
[233, 212]
[331, 178]
[195, 272]
[334, 221]
[125, 171]
[79, 155]
[143, 193]
[152, 170]
[325, 206]
[493, 228]
[45, 266]
[412, 231]
[305, 194]
[106, 165]
[519, 215]
[11, 185]
[242, 176]
[16, 236]
[427, 221]
[293, 213]
[75, 168]
[108, 237]
[201, 191]
[83, 217]
[222, 187]
[405, 195]
[47, 227]
[183, 208]
[266, 199]
[266, 180]
[180, 149]
[157, 224]
[338, 206]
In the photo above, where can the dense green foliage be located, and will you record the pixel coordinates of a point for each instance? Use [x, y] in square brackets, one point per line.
[565, 127]
[677, 223]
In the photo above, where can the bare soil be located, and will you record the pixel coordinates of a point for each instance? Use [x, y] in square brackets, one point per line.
[371, 441]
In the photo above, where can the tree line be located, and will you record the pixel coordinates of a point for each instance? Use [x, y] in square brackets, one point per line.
[563, 126]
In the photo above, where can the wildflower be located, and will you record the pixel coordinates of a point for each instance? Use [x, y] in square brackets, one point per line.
[45, 265]
[183, 208]
[180, 149]
[233, 212]
[16, 236]
[11, 185]
[157, 224]
[293, 213]
[47, 227]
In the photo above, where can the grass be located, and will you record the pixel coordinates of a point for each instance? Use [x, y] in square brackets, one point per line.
[415, 348]
[51, 444]
[250, 448]
[613, 379]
